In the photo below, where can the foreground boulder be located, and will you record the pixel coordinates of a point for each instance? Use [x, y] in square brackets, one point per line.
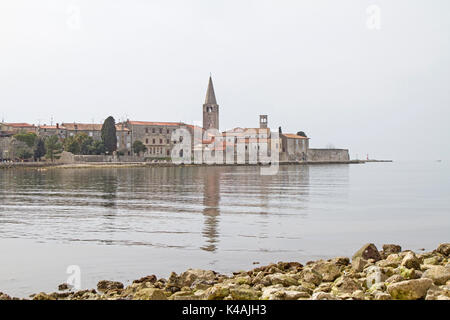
[444, 249]
[368, 251]
[410, 289]
[188, 277]
[439, 274]
[106, 285]
[328, 270]
[150, 294]
[391, 248]
[410, 261]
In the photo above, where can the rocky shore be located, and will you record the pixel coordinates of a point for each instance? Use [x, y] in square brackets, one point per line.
[389, 274]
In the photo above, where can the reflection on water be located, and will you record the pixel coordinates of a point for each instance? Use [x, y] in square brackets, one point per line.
[117, 222]
[211, 210]
[155, 207]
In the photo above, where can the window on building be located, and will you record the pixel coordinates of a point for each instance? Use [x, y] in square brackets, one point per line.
[160, 141]
[146, 141]
[154, 141]
[168, 141]
[168, 131]
[168, 152]
[146, 130]
[160, 130]
[153, 130]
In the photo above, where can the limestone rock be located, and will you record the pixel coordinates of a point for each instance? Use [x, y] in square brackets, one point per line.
[184, 295]
[312, 276]
[295, 295]
[328, 270]
[63, 286]
[150, 294]
[4, 296]
[431, 261]
[392, 260]
[323, 296]
[410, 261]
[444, 249]
[358, 264]
[281, 278]
[409, 289]
[106, 285]
[345, 285]
[358, 295]
[273, 293]
[394, 278]
[374, 275]
[341, 261]
[152, 279]
[391, 248]
[439, 274]
[217, 292]
[407, 273]
[188, 277]
[379, 295]
[244, 294]
[368, 251]
[43, 296]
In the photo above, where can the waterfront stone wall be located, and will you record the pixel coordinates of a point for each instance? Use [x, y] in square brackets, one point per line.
[105, 158]
[328, 155]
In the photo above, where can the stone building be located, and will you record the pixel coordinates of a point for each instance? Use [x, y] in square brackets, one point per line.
[18, 127]
[91, 129]
[293, 147]
[156, 136]
[46, 131]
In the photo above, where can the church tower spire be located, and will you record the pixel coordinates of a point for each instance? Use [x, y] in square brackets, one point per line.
[210, 108]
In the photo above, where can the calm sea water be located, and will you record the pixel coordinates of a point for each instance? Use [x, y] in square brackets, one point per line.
[122, 224]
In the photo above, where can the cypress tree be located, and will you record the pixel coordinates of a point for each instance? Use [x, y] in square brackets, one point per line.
[109, 136]
[39, 149]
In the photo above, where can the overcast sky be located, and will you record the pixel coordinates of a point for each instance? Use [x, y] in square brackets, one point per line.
[310, 65]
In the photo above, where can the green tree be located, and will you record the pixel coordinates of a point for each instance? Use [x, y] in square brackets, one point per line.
[28, 137]
[22, 151]
[109, 135]
[85, 143]
[139, 147]
[39, 149]
[301, 134]
[98, 148]
[54, 148]
[72, 145]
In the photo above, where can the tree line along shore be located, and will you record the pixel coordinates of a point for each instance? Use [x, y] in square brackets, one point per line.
[388, 274]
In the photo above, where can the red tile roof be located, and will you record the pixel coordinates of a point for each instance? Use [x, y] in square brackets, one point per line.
[82, 126]
[19, 125]
[150, 123]
[293, 136]
[51, 127]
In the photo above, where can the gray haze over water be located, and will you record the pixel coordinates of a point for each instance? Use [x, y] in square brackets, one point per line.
[123, 224]
[310, 65]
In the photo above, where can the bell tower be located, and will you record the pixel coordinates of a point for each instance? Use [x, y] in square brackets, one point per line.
[210, 109]
[263, 121]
